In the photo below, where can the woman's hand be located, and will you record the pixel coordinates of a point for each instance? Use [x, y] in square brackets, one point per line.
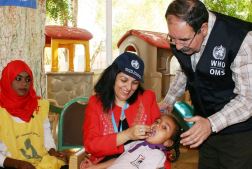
[59, 155]
[138, 132]
[19, 164]
[24, 165]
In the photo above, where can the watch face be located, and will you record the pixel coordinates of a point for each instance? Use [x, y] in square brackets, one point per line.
[183, 110]
[213, 128]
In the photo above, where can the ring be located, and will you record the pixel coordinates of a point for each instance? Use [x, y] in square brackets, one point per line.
[141, 130]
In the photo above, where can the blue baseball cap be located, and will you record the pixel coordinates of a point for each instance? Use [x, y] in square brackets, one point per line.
[130, 64]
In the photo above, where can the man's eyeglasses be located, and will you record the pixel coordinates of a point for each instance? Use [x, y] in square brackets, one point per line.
[183, 42]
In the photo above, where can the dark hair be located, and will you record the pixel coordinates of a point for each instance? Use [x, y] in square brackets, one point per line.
[193, 12]
[174, 149]
[104, 88]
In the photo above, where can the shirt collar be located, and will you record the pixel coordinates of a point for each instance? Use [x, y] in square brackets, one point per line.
[151, 146]
[211, 21]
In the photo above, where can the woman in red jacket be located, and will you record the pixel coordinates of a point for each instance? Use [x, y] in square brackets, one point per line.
[120, 111]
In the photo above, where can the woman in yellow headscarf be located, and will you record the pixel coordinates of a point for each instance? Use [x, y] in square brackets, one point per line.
[25, 138]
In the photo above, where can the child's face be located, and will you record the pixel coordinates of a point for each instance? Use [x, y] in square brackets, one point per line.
[162, 130]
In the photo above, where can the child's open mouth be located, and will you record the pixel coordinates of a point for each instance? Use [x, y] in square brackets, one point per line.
[152, 133]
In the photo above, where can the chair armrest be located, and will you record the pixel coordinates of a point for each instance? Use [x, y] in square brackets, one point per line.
[76, 158]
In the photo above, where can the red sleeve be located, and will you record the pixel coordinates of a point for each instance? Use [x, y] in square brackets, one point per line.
[150, 98]
[94, 141]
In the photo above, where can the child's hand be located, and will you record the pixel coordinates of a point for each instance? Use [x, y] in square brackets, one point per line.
[86, 164]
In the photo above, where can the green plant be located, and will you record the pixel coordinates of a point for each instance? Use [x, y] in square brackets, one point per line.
[59, 10]
[239, 9]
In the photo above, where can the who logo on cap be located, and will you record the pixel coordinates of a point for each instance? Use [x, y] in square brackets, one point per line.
[135, 64]
[130, 64]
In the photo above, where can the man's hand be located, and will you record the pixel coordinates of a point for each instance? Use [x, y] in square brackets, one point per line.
[198, 133]
[165, 107]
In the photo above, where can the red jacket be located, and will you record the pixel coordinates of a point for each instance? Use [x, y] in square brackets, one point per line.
[98, 133]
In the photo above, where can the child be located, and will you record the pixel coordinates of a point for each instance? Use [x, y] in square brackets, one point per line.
[149, 153]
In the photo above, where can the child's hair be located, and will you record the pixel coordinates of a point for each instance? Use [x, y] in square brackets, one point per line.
[173, 151]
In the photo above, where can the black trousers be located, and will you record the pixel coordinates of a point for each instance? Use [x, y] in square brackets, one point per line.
[232, 151]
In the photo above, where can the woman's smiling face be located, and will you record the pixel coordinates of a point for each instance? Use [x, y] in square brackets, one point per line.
[124, 87]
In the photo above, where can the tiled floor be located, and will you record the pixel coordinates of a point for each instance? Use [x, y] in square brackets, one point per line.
[188, 159]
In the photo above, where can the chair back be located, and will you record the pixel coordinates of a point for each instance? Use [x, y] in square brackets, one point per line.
[70, 124]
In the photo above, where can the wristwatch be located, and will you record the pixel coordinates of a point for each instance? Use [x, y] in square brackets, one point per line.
[213, 128]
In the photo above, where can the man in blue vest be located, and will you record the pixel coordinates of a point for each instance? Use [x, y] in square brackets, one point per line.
[215, 56]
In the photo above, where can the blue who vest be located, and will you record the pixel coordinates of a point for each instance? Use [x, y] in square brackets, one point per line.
[211, 85]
